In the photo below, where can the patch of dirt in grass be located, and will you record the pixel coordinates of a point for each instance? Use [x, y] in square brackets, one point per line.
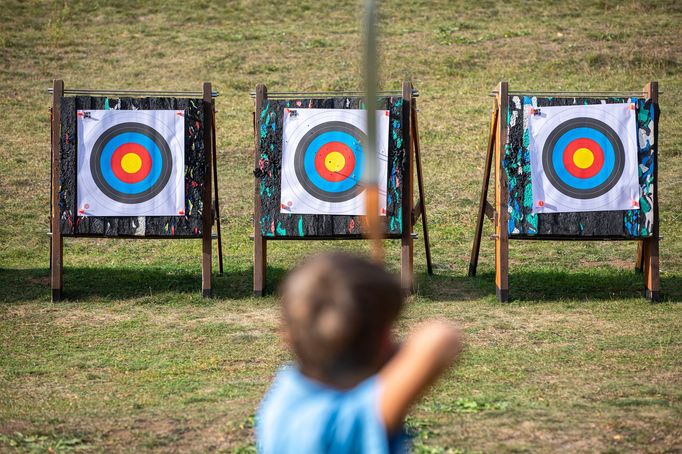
[146, 434]
[252, 318]
[614, 262]
[193, 433]
[11, 427]
[532, 433]
[221, 433]
[508, 327]
[548, 431]
[43, 280]
[71, 317]
[162, 432]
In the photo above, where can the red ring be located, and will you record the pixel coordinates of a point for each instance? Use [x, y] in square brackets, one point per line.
[139, 150]
[348, 167]
[591, 145]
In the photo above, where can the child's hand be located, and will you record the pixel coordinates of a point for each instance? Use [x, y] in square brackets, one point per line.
[427, 352]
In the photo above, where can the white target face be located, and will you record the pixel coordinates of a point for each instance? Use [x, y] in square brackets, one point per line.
[584, 158]
[131, 163]
[323, 160]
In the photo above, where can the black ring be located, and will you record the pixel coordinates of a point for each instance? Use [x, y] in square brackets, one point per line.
[299, 161]
[616, 144]
[166, 163]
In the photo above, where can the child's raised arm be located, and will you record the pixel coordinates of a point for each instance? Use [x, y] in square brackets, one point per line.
[427, 352]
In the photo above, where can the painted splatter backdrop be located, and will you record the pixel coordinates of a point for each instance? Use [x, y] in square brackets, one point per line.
[187, 226]
[269, 172]
[599, 224]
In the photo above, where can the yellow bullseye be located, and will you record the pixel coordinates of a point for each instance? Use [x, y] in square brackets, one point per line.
[334, 161]
[583, 158]
[131, 163]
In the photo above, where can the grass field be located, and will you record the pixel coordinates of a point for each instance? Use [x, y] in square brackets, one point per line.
[135, 360]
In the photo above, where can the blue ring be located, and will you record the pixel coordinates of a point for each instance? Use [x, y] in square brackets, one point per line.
[142, 140]
[583, 133]
[615, 150]
[315, 177]
[302, 152]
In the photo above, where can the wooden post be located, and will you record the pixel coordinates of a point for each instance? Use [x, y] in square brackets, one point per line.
[407, 246]
[207, 215]
[215, 186]
[501, 197]
[420, 186]
[483, 202]
[639, 261]
[650, 249]
[259, 243]
[56, 242]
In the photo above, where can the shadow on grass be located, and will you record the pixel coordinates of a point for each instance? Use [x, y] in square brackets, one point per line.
[595, 284]
[85, 284]
[448, 287]
[161, 285]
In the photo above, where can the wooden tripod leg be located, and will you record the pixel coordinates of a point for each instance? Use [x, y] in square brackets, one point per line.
[652, 280]
[215, 186]
[206, 240]
[407, 244]
[260, 251]
[501, 238]
[639, 261]
[476, 247]
[260, 264]
[56, 241]
[420, 186]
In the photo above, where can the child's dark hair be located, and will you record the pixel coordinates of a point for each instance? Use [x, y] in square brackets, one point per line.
[336, 308]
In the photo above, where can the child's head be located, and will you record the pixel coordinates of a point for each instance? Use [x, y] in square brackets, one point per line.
[337, 311]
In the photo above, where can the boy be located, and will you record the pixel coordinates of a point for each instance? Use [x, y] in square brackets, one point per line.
[351, 386]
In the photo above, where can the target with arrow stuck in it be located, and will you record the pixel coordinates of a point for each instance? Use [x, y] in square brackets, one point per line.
[323, 160]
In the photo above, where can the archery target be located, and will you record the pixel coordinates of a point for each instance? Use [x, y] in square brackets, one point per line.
[131, 163]
[323, 160]
[584, 158]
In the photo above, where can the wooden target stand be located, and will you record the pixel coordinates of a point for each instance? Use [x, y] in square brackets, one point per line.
[208, 215]
[411, 211]
[647, 259]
